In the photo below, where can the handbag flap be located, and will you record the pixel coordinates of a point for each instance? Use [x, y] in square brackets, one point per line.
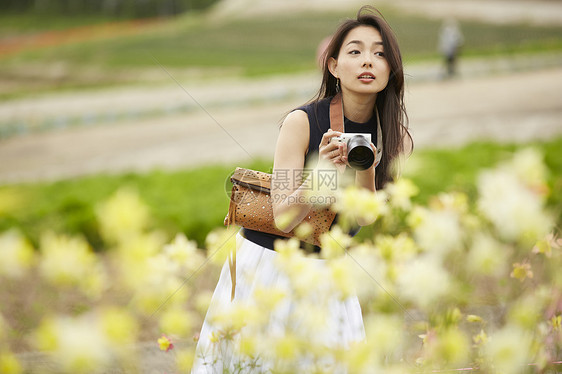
[253, 179]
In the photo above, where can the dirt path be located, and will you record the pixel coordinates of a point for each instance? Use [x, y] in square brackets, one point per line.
[513, 107]
[538, 12]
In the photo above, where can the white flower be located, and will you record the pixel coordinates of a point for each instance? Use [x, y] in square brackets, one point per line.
[369, 268]
[385, 332]
[423, 280]
[439, 231]
[401, 192]
[71, 262]
[77, 344]
[487, 256]
[16, 255]
[182, 251]
[122, 216]
[527, 164]
[354, 202]
[508, 350]
[220, 243]
[514, 210]
[334, 243]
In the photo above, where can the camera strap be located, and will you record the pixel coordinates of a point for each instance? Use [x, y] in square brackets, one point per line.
[336, 123]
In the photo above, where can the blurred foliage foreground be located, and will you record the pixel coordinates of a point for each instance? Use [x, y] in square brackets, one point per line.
[451, 284]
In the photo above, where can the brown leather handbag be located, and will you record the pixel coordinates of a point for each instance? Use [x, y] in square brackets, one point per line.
[251, 204]
[251, 207]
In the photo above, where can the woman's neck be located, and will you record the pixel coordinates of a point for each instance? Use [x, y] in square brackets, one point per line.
[358, 108]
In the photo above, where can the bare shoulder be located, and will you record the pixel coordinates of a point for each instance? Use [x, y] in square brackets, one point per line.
[297, 120]
[292, 143]
[295, 128]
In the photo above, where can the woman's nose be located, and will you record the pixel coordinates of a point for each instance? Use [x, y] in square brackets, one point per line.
[368, 62]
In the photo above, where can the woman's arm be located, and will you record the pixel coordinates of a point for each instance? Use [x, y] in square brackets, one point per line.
[290, 151]
[288, 191]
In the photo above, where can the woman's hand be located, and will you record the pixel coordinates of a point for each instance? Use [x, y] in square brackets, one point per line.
[333, 152]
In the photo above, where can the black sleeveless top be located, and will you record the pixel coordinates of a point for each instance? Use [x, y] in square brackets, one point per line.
[319, 123]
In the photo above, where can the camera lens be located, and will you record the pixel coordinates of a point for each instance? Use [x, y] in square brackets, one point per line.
[360, 155]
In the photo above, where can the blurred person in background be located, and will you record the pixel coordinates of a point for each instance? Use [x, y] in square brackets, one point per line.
[450, 43]
[362, 68]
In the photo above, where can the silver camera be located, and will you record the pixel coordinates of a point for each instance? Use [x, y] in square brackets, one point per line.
[360, 155]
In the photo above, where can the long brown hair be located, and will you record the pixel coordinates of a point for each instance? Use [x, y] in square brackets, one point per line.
[390, 101]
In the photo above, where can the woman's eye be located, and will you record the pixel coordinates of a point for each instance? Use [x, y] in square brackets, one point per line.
[354, 52]
[380, 54]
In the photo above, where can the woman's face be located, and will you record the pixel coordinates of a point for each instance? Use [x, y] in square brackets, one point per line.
[361, 65]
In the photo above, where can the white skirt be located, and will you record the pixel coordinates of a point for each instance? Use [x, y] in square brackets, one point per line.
[331, 322]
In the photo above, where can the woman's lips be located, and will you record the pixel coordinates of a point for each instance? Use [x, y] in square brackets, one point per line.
[366, 77]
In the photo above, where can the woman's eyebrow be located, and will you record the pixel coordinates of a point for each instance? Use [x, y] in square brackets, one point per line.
[378, 42]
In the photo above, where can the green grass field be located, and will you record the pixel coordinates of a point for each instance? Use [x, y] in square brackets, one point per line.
[195, 201]
[271, 44]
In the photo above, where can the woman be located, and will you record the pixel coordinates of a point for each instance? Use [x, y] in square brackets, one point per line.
[363, 69]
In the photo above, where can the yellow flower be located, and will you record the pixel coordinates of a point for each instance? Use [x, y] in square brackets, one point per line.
[439, 231]
[122, 216]
[235, 316]
[452, 201]
[334, 243]
[423, 280]
[359, 358]
[269, 298]
[184, 360]
[286, 347]
[487, 256]
[401, 192]
[184, 253]
[176, 322]
[9, 364]
[556, 322]
[480, 339]
[71, 262]
[526, 311]
[78, 344]
[214, 337]
[165, 343]
[529, 167]
[385, 333]
[354, 202]
[509, 349]
[473, 318]
[16, 255]
[342, 276]
[248, 345]
[546, 245]
[119, 326]
[46, 338]
[399, 248]
[515, 210]
[133, 259]
[220, 243]
[304, 230]
[521, 271]
[368, 264]
[450, 347]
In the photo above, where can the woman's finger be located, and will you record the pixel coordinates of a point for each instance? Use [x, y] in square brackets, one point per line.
[328, 136]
